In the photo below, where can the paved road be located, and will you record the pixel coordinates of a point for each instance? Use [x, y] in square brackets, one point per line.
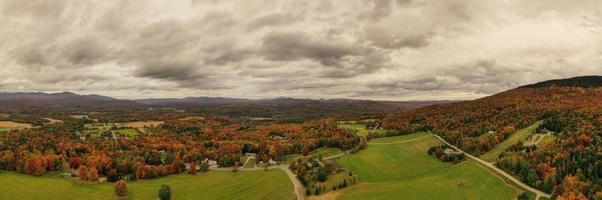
[498, 170]
[299, 188]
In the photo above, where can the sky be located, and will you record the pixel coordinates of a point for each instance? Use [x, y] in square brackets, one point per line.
[360, 49]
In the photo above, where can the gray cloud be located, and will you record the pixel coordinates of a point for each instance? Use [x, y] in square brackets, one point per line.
[275, 19]
[376, 49]
[84, 51]
[297, 45]
[39, 9]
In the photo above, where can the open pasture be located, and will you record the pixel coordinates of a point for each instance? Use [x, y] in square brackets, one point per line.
[400, 168]
[270, 185]
[140, 124]
[520, 135]
[9, 125]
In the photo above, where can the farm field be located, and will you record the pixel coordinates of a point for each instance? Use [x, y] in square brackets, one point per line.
[397, 139]
[128, 132]
[97, 128]
[324, 152]
[53, 121]
[359, 128]
[192, 118]
[273, 184]
[519, 135]
[403, 169]
[8, 125]
[140, 124]
[249, 163]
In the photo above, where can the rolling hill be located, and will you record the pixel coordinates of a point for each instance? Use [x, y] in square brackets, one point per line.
[282, 109]
[571, 111]
[65, 101]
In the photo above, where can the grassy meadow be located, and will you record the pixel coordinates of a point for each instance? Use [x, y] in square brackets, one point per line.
[9, 125]
[520, 135]
[360, 129]
[272, 184]
[400, 168]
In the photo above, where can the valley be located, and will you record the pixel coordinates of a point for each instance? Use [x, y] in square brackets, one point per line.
[501, 147]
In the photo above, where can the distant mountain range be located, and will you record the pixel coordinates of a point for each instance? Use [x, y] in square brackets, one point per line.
[71, 102]
[65, 101]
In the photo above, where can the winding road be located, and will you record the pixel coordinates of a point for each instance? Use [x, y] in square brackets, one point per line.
[299, 188]
[498, 170]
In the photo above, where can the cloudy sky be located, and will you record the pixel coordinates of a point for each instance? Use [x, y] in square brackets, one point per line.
[364, 49]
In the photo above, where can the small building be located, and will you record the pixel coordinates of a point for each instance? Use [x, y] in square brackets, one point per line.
[212, 163]
[449, 151]
[254, 155]
[490, 132]
[271, 162]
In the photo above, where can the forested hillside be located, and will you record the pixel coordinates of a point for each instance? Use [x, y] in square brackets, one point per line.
[570, 167]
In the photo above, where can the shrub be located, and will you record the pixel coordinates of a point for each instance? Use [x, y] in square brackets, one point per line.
[522, 196]
[112, 175]
[82, 173]
[165, 192]
[192, 168]
[93, 174]
[121, 189]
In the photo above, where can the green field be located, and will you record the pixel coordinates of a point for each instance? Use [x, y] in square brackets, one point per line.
[335, 180]
[403, 170]
[546, 140]
[249, 163]
[359, 128]
[325, 152]
[398, 139]
[272, 184]
[128, 132]
[3, 129]
[520, 135]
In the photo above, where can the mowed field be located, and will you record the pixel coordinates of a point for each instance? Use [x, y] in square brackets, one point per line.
[400, 168]
[272, 184]
[360, 129]
[140, 124]
[520, 135]
[8, 125]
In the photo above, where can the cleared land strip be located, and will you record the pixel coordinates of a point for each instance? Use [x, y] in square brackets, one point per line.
[541, 138]
[498, 170]
[399, 142]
